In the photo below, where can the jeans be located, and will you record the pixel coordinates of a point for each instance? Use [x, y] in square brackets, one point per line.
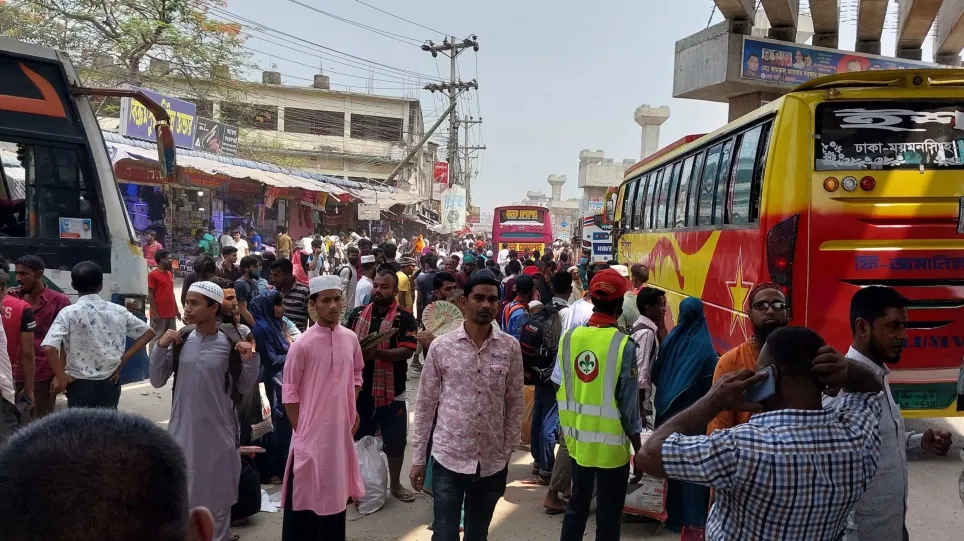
[545, 425]
[9, 420]
[480, 494]
[281, 436]
[610, 499]
[93, 393]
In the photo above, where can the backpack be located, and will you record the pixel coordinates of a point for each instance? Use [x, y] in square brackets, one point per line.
[214, 246]
[538, 356]
[507, 311]
[233, 376]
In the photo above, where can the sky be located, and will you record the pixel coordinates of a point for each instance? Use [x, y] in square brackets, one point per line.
[555, 77]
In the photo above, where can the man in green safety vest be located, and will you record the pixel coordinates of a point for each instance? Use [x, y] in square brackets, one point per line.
[598, 410]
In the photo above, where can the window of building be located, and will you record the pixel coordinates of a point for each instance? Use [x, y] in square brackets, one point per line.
[708, 186]
[721, 182]
[640, 201]
[743, 197]
[314, 122]
[649, 206]
[376, 128]
[677, 208]
[245, 115]
[692, 196]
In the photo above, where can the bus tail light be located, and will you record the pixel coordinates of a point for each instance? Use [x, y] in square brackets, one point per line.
[867, 183]
[849, 184]
[781, 243]
[831, 184]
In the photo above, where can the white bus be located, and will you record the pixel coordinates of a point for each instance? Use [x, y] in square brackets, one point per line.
[58, 196]
[596, 235]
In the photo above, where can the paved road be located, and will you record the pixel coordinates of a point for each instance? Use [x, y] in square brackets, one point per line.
[934, 505]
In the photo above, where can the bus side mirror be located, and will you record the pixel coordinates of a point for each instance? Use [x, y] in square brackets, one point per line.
[166, 155]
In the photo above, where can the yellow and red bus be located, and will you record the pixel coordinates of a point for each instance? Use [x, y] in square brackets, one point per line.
[848, 181]
[526, 229]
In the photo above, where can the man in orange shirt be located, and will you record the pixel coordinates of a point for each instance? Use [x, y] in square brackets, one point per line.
[768, 312]
[160, 296]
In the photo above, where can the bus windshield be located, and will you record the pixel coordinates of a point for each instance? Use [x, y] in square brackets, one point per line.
[890, 135]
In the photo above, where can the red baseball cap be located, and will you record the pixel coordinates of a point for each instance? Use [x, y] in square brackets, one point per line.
[531, 270]
[608, 285]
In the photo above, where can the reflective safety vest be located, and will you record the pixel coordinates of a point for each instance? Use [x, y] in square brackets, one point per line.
[590, 359]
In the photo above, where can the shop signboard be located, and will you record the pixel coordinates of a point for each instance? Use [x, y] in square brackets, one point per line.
[216, 137]
[440, 180]
[793, 64]
[453, 209]
[379, 227]
[137, 122]
[369, 211]
[474, 215]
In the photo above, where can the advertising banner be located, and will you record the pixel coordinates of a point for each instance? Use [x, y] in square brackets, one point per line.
[440, 180]
[453, 209]
[369, 211]
[474, 215]
[793, 63]
[216, 137]
[137, 122]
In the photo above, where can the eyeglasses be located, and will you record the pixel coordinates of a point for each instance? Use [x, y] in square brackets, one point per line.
[763, 306]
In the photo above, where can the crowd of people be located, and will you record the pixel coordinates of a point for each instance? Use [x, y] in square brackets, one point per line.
[618, 391]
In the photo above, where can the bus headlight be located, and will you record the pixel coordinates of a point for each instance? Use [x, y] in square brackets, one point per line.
[849, 184]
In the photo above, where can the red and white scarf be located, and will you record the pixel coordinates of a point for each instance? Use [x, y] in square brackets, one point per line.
[383, 382]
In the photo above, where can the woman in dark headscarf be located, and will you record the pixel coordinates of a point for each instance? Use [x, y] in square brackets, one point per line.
[272, 342]
[682, 374]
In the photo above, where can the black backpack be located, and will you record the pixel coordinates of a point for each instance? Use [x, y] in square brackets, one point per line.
[232, 377]
[538, 357]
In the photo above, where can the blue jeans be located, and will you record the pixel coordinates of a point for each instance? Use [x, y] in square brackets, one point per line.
[545, 425]
[480, 494]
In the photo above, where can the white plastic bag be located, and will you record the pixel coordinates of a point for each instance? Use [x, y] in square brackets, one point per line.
[374, 472]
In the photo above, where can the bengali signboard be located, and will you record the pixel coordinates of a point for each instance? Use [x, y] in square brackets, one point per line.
[793, 63]
[369, 211]
[453, 209]
[216, 137]
[137, 122]
[440, 180]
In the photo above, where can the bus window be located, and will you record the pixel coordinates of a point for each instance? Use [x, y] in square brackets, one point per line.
[708, 186]
[649, 204]
[659, 217]
[694, 189]
[723, 176]
[57, 204]
[678, 213]
[738, 206]
[629, 191]
[669, 217]
[756, 189]
[637, 222]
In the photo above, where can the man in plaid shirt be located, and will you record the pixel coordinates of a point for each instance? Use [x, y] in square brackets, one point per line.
[794, 471]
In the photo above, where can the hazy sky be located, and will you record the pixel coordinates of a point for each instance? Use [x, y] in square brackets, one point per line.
[555, 77]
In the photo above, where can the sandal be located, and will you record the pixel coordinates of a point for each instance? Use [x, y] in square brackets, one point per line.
[538, 480]
[404, 495]
[554, 511]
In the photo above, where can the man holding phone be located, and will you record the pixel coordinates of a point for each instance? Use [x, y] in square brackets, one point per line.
[794, 471]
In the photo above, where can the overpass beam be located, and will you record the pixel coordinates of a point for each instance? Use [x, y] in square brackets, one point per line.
[950, 33]
[914, 23]
[782, 15]
[870, 25]
[739, 14]
[826, 22]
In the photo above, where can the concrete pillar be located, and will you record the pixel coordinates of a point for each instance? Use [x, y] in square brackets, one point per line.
[782, 15]
[909, 53]
[783, 33]
[948, 59]
[914, 22]
[950, 31]
[830, 40]
[556, 181]
[650, 119]
[745, 103]
[736, 10]
[868, 47]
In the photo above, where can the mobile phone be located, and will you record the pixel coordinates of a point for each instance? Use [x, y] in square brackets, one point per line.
[24, 403]
[759, 392]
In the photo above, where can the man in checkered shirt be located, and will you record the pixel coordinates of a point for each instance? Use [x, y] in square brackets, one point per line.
[793, 472]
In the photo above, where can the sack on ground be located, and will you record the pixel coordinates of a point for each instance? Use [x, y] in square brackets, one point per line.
[374, 472]
[648, 497]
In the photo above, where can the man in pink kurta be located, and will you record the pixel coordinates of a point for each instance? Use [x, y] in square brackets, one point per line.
[322, 378]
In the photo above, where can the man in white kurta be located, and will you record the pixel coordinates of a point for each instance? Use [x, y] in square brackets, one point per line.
[204, 421]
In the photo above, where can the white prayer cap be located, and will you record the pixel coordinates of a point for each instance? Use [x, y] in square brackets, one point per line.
[323, 283]
[367, 259]
[573, 268]
[209, 290]
[623, 270]
[535, 304]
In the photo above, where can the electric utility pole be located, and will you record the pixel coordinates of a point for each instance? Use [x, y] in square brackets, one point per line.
[468, 150]
[452, 48]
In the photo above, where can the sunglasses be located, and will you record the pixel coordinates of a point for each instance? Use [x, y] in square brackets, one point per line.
[763, 306]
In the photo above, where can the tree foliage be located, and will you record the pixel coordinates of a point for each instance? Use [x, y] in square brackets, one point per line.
[133, 41]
